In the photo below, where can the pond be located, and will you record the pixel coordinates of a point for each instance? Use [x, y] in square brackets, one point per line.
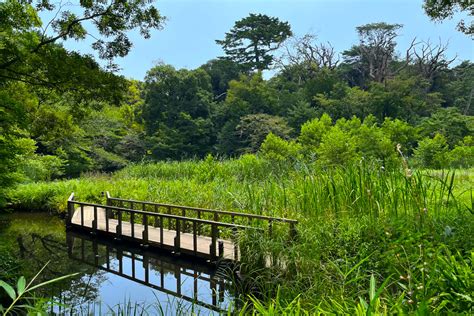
[111, 277]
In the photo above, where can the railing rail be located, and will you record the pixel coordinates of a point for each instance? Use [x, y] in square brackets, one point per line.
[216, 214]
[191, 208]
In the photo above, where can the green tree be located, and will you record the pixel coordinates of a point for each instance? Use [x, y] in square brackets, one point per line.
[462, 155]
[337, 148]
[400, 132]
[450, 123]
[36, 70]
[373, 55]
[276, 149]
[177, 112]
[432, 152]
[406, 98]
[312, 133]
[445, 9]
[252, 39]
[253, 129]
[222, 71]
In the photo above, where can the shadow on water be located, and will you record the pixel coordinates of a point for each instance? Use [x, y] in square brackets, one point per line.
[112, 277]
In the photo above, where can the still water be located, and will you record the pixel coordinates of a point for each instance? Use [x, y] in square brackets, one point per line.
[112, 278]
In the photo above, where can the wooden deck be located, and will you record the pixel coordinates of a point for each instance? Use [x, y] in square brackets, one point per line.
[166, 239]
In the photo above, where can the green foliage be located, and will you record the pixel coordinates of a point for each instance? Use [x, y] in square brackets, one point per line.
[440, 10]
[278, 150]
[337, 148]
[176, 112]
[252, 39]
[462, 155]
[22, 289]
[253, 129]
[431, 152]
[312, 133]
[450, 123]
[42, 167]
[222, 71]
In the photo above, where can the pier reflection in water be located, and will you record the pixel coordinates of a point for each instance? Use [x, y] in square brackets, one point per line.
[155, 280]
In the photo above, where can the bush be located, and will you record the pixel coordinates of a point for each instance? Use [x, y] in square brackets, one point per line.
[277, 149]
[432, 152]
[43, 168]
[462, 156]
[337, 148]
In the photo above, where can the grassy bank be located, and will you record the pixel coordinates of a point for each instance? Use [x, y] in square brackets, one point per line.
[370, 240]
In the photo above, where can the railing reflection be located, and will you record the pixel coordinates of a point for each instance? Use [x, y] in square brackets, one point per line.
[153, 270]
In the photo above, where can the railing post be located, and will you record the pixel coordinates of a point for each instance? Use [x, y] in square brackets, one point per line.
[293, 232]
[213, 246]
[94, 222]
[82, 215]
[199, 226]
[132, 223]
[221, 249]
[145, 229]
[108, 202]
[183, 213]
[235, 241]
[177, 238]
[194, 238]
[169, 219]
[161, 230]
[118, 229]
[270, 228]
[70, 209]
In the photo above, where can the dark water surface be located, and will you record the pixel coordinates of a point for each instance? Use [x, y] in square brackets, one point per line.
[111, 276]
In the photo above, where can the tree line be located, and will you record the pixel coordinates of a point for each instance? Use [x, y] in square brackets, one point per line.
[62, 114]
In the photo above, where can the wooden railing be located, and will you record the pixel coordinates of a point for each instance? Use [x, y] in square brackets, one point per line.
[180, 224]
[215, 215]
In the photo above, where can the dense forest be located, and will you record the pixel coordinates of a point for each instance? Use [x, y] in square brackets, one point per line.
[370, 148]
[63, 114]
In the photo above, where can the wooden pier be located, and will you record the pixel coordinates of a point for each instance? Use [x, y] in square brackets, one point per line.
[205, 233]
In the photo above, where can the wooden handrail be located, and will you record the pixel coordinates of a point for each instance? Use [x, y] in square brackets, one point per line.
[254, 216]
[177, 217]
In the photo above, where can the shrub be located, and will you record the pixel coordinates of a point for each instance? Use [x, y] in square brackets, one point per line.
[462, 156]
[432, 152]
[312, 133]
[277, 149]
[337, 148]
[43, 168]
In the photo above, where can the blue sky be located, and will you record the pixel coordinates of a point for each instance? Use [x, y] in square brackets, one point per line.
[188, 37]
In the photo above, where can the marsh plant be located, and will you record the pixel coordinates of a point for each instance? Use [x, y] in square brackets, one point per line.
[369, 239]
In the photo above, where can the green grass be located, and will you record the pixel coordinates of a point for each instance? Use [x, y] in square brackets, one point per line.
[369, 240]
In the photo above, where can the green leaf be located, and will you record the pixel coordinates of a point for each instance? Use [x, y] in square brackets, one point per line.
[372, 288]
[21, 285]
[52, 281]
[7, 287]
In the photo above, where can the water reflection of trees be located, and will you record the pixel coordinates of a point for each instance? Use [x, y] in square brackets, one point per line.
[31, 246]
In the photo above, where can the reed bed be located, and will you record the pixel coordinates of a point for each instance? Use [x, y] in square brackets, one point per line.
[370, 240]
